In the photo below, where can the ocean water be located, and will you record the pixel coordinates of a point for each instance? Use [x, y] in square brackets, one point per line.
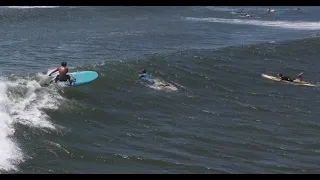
[219, 116]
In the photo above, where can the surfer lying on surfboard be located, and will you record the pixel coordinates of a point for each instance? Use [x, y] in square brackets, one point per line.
[144, 75]
[286, 78]
[62, 76]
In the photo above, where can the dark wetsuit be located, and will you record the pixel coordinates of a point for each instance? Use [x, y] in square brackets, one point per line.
[286, 78]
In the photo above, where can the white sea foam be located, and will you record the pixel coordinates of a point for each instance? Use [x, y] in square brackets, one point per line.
[159, 85]
[22, 102]
[296, 25]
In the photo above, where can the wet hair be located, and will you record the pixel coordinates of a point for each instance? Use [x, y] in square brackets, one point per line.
[64, 64]
[143, 71]
[280, 74]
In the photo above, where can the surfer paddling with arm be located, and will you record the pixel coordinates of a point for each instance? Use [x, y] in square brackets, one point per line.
[299, 79]
[144, 75]
[62, 76]
[286, 78]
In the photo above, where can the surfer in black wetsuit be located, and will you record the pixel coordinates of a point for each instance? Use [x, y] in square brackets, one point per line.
[286, 78]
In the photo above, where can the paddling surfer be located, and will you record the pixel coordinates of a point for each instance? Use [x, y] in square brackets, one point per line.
[287, 78]
[144, 75]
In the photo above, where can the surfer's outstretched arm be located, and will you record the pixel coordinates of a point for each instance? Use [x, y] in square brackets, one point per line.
[300, 76]
[53, 72]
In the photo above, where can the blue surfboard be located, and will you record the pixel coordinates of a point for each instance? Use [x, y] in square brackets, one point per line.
[83, 77]
[79, 78]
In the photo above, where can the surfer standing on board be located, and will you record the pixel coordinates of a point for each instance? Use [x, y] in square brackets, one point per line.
[286, 78]
[62, 76]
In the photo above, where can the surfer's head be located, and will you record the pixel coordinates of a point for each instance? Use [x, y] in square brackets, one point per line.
[143, 71]
[280, 74]
[64, 64]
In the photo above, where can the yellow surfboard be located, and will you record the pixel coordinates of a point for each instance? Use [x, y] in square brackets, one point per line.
[300, 83]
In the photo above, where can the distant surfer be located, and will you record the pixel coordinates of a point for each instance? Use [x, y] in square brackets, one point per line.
[144, 75]
[62, 76]
[270, 10]
[286, 78]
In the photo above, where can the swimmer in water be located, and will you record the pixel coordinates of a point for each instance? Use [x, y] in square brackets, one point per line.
[144, 75]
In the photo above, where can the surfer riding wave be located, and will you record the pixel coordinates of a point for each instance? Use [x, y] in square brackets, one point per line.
[62, 76]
